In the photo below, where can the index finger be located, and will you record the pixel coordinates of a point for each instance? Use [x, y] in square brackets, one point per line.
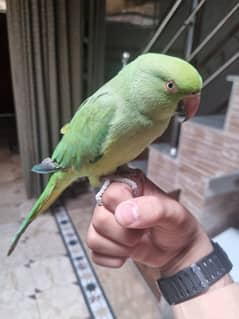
[115, 194]
[118, 192]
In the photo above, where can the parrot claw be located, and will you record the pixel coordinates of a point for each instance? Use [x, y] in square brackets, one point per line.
[99, 195]
[134, 186]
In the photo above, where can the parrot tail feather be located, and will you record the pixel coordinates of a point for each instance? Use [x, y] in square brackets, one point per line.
[56, 185]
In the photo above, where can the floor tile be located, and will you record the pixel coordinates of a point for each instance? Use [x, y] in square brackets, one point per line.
[13, 193]
[14, 305]
[125, 288]
[62, 302]
[83, 200]
[8, 213]
[19, 279]
[5, 154]
[25, 207]
[9, 171]
[52, 271]
[18, 257]
[37, 279]
[42, 239]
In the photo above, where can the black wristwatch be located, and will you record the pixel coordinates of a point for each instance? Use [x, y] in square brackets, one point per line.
[197, 278]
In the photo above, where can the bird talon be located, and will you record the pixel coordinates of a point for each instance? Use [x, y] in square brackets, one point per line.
[135, 188]
[99, 195]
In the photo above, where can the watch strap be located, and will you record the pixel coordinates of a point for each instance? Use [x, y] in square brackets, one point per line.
[197, 278]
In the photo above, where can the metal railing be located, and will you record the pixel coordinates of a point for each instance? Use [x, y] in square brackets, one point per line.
[190, 54]
[187, 23]
[221, 69]
[213, 32]
[184, 26]
[162, 26]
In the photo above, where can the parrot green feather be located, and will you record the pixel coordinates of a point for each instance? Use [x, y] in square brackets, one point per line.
[92, 123]
[56, 184]
[116, 123]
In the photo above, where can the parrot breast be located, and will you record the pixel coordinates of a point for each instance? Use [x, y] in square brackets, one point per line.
[124, 145]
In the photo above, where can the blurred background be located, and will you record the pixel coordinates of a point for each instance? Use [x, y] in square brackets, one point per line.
[53, 54]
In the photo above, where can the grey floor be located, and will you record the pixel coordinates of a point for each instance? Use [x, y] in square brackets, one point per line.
[37, 281]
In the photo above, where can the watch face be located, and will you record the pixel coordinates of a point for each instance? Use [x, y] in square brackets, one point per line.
[193, 280]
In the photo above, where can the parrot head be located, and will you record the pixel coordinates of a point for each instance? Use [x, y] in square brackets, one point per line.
[176, 81]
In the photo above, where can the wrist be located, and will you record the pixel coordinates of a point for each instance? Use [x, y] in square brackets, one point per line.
[199, 247]
[204, 274]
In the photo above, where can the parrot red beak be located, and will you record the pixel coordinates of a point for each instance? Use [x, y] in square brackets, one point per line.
[191, 105]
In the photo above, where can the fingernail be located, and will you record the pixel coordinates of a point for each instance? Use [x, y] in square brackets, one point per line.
[126, 213]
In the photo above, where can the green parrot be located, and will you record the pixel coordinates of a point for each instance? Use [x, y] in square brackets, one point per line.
[116, 123]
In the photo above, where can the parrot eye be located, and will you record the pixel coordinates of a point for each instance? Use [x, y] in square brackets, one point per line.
[171, 86]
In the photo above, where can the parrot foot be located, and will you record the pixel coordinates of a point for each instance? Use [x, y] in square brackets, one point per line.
[135, 183]
[99, 195]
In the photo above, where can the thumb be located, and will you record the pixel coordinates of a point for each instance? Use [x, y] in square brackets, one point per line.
[144, 211]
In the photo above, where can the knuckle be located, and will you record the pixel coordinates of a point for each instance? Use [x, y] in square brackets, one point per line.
[131, 239]
[158, 207]
[129, 242]
[109, 261]
[115, 192]
[100, 218]
[176, 214]
[109, 196]
[181, 214]
[117, 263]
[91, 239]
[94, 258]
[124, 190]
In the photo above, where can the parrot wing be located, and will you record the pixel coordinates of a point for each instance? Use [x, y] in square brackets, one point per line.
[85, 134]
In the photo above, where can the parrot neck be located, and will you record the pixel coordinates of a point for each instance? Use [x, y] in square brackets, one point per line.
[155, 109]
[140, 91]
[148, 99]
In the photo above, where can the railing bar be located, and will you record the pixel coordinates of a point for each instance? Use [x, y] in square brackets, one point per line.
[190, 34]
[217, 48]
[162, 26]
[214, 31]
[183, 27]
[221, 69]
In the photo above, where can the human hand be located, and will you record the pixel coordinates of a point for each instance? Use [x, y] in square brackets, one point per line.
[153, 229]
